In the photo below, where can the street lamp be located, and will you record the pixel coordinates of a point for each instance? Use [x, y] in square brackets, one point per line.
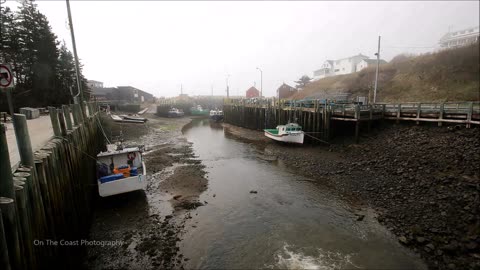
[376, 72]
[261, 82]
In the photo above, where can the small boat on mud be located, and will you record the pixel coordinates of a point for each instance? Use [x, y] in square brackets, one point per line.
[198, 111]
[290, 133]
[127, 119]
[120, 171]
[174, 112]
[143, 111]
[216, 115]
[134, 118]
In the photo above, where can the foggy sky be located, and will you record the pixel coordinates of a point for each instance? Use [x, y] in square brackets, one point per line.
[157, 45]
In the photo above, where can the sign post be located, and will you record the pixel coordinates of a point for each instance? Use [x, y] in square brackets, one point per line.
[6, 84]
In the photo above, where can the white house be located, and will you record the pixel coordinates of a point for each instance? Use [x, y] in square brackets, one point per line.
[338, 67]
[369, 63]
[94, 84]
[460, 38]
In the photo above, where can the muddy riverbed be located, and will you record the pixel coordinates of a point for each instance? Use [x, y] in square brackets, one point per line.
[224, 197]
[422, 181]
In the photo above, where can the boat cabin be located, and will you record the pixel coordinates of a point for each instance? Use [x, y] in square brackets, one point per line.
[120, 171]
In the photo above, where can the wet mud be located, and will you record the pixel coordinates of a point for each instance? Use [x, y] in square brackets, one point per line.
[149, 224]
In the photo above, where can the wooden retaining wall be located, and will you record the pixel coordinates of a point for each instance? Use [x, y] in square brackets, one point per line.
[316, 116]
[163, 106]
[314, 121]
[47, 201]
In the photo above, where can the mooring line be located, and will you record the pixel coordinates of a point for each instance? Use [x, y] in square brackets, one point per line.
[316, 137]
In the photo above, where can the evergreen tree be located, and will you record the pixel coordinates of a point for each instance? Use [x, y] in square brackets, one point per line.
[66, 76]
[43, 68]
[303, 81]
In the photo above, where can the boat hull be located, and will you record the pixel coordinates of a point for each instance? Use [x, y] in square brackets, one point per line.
[216, 118]
[175, 114]
[198, 113]
[123, 185]
[288, 138]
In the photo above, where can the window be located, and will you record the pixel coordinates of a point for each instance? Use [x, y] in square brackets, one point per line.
[337, 70]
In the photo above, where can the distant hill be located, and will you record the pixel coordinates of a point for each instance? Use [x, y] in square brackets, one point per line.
[449, 75]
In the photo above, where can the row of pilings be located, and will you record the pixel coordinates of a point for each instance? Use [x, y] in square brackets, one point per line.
[46, 203]
[267, 114]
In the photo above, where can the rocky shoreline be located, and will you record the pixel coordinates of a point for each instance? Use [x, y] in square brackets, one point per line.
[422, 181]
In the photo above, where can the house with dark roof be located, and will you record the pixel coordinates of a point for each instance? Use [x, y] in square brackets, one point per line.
[369, 63]
[252, 92]
[286, 91]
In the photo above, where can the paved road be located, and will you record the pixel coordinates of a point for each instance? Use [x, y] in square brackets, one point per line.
[40, 131]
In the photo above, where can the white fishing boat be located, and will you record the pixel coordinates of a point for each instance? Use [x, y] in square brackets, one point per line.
[134, 118]
[120, 171]
[216, 115]
[290, 133]
[143, 111]
[174, 112]
[117, 118]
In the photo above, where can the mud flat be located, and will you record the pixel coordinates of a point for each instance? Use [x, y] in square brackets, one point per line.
[423, 183]
[147, 225]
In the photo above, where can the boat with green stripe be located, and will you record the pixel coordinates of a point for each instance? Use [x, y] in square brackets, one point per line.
[290, 133]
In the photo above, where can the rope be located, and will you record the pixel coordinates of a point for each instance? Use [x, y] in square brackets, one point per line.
[316, 138]
[88, 155]
[103, 132]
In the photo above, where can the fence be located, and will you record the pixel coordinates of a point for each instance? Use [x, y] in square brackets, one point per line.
[48, 199]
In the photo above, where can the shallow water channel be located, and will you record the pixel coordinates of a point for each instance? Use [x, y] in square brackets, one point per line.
[292, 222]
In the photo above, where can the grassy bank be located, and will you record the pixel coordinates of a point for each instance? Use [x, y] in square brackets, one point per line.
[448, 75]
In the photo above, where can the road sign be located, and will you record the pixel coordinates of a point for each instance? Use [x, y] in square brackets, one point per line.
[6, 76]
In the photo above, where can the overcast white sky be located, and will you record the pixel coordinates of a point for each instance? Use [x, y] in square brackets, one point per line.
[158, 45]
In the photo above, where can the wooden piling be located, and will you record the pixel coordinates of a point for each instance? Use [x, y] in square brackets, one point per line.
[24, 227]
[66, 114]
[23, 138]
[4, 258]
[61, 120]
[469, 114]
[9, 217]
[6, 180]
[357, 123]
[74, 114]
[399, 112]
[54, 118]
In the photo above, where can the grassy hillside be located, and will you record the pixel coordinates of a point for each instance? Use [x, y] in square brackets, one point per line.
[449, 75]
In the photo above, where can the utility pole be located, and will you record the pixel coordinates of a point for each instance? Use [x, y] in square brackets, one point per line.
[376, 72]
[228, 93]
[77, 65]
[181, 89]
[261, 82]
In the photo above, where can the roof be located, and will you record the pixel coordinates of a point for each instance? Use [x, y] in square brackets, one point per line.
[253, 89]
[466, 32]
[374, 61]
[98, 91]
[286, 86]
[93, 81]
